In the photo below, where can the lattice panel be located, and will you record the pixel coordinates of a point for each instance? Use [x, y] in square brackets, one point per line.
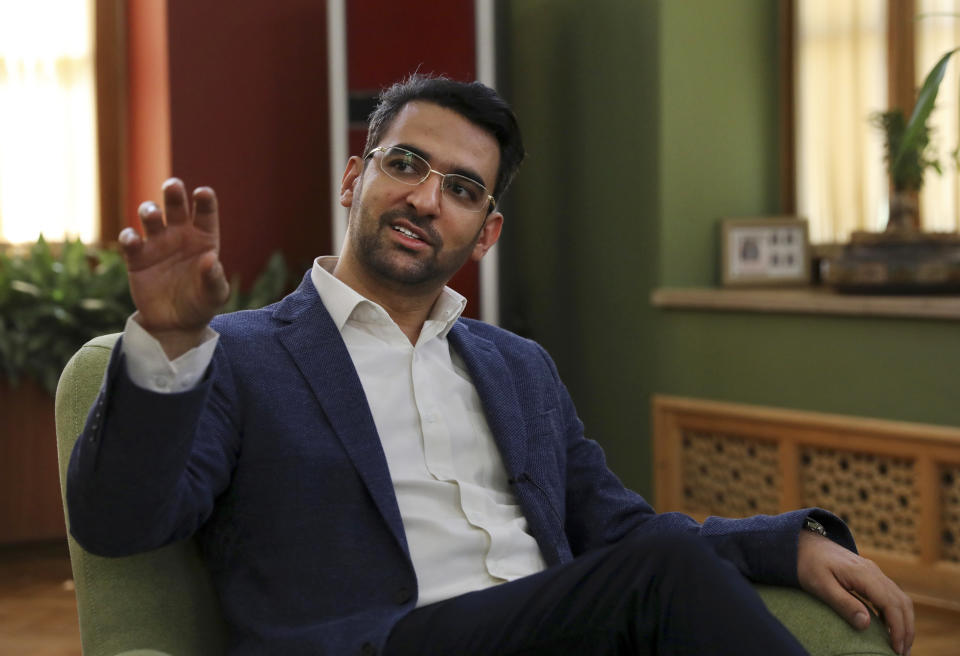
[876, 495]
[896, 484]
[950, 538]
[730, 475]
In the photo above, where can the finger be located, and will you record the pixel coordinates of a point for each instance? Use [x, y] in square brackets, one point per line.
[151, 218]
[895, 607]
[207, 216]
[175, 203]
[845, 604]
[899, 617]
[130, 242]
[911, 623]
[897, 628]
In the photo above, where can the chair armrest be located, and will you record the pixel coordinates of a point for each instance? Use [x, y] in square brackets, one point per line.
[818, 627]
[163, 598]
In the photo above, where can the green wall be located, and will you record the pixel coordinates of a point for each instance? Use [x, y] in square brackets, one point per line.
[646, 122]
[580, 240]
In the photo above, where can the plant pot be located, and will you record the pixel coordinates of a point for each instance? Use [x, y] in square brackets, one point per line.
[904, 216]
[895, 262]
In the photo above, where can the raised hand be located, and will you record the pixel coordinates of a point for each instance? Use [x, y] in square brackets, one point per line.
[839, 576]
[176, 279]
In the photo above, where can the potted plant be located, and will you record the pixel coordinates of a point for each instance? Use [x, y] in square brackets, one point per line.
[908, 150]
[902, 259]
[51, 303]
[52, 300]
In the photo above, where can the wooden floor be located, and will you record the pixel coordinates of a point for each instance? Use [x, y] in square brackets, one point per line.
[38, 611]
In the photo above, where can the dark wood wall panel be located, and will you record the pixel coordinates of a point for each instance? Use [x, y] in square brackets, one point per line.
[30, 507]
[249, 117]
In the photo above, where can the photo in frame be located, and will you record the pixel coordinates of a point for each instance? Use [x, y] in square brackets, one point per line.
[765, 251]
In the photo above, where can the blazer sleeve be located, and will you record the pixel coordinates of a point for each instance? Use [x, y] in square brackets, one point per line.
[600, 510]
[147, 467]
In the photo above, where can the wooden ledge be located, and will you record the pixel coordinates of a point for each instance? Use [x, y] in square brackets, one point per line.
[806, 300]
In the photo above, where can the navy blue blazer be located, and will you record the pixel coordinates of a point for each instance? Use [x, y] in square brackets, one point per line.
[273, 461]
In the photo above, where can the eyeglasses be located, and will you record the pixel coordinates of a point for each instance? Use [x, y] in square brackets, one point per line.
[411, 169]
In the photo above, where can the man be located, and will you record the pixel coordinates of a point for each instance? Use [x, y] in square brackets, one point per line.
[368, 473]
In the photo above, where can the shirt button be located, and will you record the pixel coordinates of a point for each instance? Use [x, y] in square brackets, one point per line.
[162, 382]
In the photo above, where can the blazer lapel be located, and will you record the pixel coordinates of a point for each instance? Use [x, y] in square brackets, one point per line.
[313, 341]
[498, 393]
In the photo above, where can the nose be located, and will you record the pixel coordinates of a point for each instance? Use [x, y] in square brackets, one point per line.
[425, 197]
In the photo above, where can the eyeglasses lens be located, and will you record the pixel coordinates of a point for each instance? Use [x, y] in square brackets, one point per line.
[409, 168]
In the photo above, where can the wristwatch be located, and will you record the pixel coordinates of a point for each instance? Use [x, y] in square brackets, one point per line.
[812, 525]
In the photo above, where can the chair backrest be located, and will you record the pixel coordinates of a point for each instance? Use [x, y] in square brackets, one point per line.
[152, 603]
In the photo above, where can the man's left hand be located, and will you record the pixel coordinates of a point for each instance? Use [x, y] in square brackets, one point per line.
[833, 573]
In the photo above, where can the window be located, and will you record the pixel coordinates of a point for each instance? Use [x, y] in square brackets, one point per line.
[48, 131]
[852, 59]
[938, 32]
[841, 78]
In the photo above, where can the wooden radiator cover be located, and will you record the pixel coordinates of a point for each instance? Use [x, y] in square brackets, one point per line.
[896, 484]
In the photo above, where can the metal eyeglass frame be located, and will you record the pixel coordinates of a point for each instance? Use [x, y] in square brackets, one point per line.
[443, 176]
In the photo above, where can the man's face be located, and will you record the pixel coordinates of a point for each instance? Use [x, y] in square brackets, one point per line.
[411, 235]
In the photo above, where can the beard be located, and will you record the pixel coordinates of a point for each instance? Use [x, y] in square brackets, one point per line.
[392, 262]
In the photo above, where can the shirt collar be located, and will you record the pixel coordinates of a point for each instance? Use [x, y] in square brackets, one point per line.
[342, 301]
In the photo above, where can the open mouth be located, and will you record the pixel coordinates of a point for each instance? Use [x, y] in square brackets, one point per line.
[407, 233]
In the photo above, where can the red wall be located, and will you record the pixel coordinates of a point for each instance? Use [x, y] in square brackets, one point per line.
[238, 91]
[248, 107]
[388, 40]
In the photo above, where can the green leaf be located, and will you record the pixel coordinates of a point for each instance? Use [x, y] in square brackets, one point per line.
[269, 286]
[52, 300]
[25, 287]
[917, 128]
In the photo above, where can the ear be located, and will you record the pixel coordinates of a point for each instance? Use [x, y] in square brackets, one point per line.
[350, 180]
[489, 234]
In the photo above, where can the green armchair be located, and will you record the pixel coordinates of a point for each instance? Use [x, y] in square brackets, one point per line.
[162, 602]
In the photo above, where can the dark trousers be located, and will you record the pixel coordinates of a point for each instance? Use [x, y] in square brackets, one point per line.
[651, 595]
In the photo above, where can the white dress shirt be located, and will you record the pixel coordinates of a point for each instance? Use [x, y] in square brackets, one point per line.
[463, 525]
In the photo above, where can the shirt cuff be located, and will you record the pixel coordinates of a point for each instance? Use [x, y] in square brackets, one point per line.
[149, 367]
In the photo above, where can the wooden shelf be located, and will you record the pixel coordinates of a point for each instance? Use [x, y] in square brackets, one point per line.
[807, 300]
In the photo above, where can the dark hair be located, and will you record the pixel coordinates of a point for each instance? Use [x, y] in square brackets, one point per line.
[475, 101]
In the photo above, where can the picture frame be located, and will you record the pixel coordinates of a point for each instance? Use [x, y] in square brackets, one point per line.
[765, 251]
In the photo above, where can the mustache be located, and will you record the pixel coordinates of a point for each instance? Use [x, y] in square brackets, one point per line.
[426, 225]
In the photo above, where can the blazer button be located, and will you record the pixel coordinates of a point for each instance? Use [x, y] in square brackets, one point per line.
[368, 650]
[402, 595]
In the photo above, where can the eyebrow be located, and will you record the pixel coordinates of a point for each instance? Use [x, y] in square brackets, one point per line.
[467, 173]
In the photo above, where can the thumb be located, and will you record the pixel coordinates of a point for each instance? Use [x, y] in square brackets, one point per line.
[215, 282]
